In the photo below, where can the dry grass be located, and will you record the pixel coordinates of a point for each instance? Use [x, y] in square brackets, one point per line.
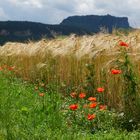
[64, 60]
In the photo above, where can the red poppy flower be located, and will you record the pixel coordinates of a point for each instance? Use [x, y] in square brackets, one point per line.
[100, 89]
[116, 71]
[102, 107]
[123, 44]
[11, 68]
[1, 68]
[41, 94]
[93, 105]
[91, 116]
[82, 95]
[73, 107]
[92, 99]
[73, 94]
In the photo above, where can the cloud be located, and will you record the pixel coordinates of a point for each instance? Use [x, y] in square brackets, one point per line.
[54, 11]
[3, 16]
[128, 8]
[28, 3]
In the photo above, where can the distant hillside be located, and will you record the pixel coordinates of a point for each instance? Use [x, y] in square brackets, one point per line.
[94, 23]
[21, 31]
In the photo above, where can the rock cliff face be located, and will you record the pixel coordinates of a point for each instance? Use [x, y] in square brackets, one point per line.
[22, 31]
[94, 23]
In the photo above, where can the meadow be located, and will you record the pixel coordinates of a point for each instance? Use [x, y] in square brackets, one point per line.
[71, 88]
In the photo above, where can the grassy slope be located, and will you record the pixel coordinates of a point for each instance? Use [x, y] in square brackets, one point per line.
[26, 116]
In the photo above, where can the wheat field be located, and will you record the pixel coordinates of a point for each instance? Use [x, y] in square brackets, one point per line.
[73, 64]
[66, 57]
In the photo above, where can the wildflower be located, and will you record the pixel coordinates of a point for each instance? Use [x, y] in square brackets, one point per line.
[92, 99]
[41, 94]
[123, 44]
[11, 68]
[82, 95]
[102, 107]
[73, 94]
[73, 107]
[116, 71]
[91, 116]
[1, 68]
[100, 89]
[93, 105]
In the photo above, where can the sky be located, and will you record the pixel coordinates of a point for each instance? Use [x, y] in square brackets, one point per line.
[54, 11]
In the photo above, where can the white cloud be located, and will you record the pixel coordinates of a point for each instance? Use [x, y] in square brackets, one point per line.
[54, 11]
[3, 16]
[30, 3]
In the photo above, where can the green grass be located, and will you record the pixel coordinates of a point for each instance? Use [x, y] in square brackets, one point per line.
[24, 115]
